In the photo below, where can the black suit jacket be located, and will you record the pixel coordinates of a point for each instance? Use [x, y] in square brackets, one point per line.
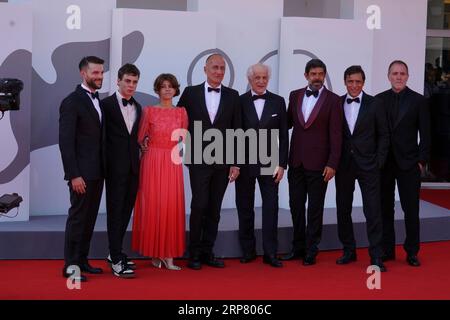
[413, 119]
[80, 137]
[274, 116]
[228, 117]
[121, 147]
[369, 143]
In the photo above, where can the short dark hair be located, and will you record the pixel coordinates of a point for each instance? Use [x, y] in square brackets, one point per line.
[398, 62]
[315, 63]
[89, 59]
[353, 70]
[166, 77]
[128, 68]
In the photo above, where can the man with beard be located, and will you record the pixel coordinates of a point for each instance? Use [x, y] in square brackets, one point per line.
[80, 143]
[315, 114]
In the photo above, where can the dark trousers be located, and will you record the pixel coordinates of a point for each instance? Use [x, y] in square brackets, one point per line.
[369, 182]
[80, 223]
[245, 203]
[208, 186]
[408, 183]
[306, 184]
[120, 198]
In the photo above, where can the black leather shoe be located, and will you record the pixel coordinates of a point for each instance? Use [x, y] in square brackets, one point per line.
[309, 260]
[81, 278]
[413, 261]
[379, 263]
[248, 257]
[273, 261]
[86, 267]
[347, 257]
[194, 263]
[213, 262]
[388, 257]
[293, 255]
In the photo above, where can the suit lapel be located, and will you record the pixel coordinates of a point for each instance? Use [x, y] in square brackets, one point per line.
[298, 109]
[403, 107]
[138, 118]
[346, 127]
[116, 112]
[201, 99]
[363, 108]
[88, 104]
[317, 108]
[250, 110]
[266, 114]
[223, 97]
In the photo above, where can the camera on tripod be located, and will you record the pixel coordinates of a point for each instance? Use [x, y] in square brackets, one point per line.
[10, 94]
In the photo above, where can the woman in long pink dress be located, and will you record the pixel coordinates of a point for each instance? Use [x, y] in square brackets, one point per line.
[159, 214]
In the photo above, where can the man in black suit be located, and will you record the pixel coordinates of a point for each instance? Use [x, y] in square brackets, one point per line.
[408, 119]
[80, 143]
[122, 114]
[209, 105]
[315, 115]
[365, 143]
[263, 113]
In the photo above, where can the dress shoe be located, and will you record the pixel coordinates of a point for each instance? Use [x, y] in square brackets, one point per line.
[293, 255]
[212, 261]
[273, 261]
[248, 257]
[347, 257]
[379, 263]
[80, 278]
[86, 267]
[309, 260]
[413, 261]
[194, 263]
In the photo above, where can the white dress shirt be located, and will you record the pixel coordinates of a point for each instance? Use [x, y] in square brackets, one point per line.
[351, 111]
[259, 104]
[96, 102]
[309, 103]
[212, 100]
[128, 112]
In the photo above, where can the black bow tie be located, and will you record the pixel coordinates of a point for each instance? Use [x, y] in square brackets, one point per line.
[350, 100]
[94, 95]
[310, 92]
[213, 89]
[261, 96]
[126, 102]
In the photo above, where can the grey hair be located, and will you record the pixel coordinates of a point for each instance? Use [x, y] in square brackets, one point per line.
[251, 71]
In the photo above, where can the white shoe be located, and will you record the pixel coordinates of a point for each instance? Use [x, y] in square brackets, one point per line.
[121, 270]
[131, 265]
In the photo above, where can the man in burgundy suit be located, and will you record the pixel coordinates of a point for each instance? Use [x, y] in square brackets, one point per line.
[316, 116]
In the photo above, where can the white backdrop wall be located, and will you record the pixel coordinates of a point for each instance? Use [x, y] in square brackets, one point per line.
[169, 41]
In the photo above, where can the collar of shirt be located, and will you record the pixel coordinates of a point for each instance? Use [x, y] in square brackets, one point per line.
[208, 85]
[89, 90]
[119, 99]
[256, 94]
[358, 96]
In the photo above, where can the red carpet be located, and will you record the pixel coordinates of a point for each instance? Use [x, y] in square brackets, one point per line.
[438, 197]
[41, 279]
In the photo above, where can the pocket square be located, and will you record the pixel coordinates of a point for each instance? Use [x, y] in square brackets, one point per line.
[274, 115]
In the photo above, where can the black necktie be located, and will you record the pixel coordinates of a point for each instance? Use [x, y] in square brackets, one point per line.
[126, 102]
[94, 95]
[213, 89]
[310, 92]
[261, 96]
[350, 100]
